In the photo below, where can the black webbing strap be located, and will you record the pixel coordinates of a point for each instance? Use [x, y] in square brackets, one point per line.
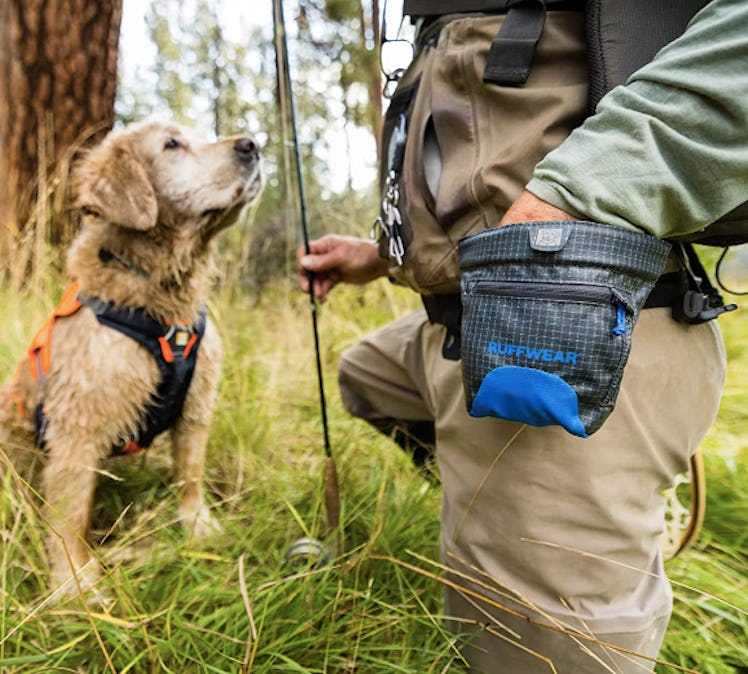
[446, 310]
[666, 291]
[513, 48]
[701, 301]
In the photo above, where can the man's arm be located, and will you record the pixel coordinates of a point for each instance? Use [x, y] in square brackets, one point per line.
[668, 152]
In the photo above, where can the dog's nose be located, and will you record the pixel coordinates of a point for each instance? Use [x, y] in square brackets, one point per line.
[246, 150]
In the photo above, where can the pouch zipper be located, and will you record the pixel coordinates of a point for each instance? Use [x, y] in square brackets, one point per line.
[570, 292]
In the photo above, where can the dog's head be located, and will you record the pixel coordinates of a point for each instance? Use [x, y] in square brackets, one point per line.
[152, 198]
[156, 173]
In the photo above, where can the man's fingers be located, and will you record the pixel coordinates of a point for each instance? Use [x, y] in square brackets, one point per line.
[322, 287]
[323, 283]
[321, 260]
[303, 281]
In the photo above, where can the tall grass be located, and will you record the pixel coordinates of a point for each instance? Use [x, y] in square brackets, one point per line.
[230, 605]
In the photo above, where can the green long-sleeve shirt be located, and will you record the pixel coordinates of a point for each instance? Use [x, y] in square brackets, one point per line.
[667, 152]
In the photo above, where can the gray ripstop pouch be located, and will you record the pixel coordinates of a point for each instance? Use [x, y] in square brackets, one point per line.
[548, 312]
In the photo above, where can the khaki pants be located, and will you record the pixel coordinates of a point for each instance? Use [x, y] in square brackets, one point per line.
[546, 525]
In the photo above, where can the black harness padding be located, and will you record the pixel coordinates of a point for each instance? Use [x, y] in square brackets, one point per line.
[180, 343]
[624, 36]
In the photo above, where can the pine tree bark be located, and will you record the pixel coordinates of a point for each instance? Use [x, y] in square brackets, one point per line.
[58, 78]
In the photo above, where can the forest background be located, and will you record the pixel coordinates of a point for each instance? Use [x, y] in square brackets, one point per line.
[65, 79]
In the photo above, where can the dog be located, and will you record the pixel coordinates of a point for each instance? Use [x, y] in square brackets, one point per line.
[152, 198]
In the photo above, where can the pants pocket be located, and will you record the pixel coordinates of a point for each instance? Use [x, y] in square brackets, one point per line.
[548, 313]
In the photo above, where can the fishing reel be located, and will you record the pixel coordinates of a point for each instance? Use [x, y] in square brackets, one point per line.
[305, 554]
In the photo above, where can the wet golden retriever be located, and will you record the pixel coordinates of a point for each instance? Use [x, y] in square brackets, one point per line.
[152, 197]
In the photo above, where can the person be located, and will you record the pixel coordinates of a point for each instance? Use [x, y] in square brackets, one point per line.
[552, 541]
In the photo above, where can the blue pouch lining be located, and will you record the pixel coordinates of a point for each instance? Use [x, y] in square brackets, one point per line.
[528, 396]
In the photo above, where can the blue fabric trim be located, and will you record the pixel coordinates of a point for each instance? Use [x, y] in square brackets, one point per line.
[528, 396]
[620, 327]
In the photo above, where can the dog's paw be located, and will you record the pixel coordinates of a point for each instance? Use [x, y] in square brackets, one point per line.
[84, 583]
[200, 523]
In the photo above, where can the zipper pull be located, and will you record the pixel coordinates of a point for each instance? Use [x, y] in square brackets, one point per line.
[620, 326]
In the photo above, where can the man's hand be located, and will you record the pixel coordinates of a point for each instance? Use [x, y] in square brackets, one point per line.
[529, 208]
[337, 259]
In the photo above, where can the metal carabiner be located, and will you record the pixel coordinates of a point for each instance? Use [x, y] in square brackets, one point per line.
[377, 227]
[397, 250]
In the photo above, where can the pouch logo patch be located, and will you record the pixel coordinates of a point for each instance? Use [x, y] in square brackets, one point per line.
[533, 353]
[549, 239]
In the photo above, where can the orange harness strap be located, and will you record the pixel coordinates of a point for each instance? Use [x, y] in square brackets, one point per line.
[40, 349]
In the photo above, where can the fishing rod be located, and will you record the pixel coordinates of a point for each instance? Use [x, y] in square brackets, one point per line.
[307, 548]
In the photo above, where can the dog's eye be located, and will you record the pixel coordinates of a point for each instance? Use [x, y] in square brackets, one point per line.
[172, 144]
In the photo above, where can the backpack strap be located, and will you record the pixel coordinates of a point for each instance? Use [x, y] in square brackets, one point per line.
[513, 49]
[441, 7]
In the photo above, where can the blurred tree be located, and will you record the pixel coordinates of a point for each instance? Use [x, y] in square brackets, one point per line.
[344, 36]
[201, 76]
[172, 87]
[58, 76]
[357, 51]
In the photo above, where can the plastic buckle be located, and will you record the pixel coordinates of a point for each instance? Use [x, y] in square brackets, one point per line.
[696, 307]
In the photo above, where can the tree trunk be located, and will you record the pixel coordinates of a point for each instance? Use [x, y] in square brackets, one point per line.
[58, 77]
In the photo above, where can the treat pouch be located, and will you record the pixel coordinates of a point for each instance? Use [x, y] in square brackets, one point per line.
[548, 313]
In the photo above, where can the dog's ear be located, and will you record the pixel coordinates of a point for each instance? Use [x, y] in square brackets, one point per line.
[112, 183]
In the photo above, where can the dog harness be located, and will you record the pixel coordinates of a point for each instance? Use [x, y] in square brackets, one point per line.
[173, 346]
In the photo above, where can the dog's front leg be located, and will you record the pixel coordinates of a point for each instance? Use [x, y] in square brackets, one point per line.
[190, 436]
[190, 441]
[69, 481]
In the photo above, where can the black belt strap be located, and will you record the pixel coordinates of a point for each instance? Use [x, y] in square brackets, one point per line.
[446, 310]
[666, 291]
